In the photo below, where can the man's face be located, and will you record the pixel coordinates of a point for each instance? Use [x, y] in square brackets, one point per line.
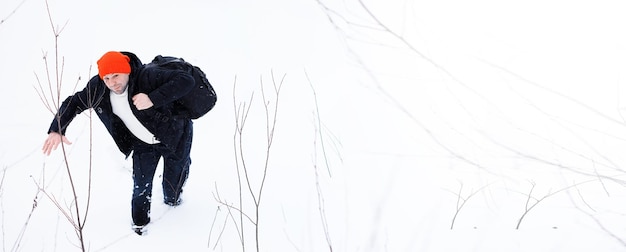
[116, 82]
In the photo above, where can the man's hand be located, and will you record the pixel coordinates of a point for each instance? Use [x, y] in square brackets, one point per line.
[142, 101]
[52, 142]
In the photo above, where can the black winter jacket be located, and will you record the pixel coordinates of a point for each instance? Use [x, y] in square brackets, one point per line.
[164, 119]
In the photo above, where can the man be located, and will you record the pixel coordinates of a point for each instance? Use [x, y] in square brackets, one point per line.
[137, 106]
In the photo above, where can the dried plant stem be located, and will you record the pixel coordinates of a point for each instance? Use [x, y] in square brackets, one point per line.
[20, 236]
[530, 205]
[320, 196]
[460, 202]
[242, 111]
[52, 100]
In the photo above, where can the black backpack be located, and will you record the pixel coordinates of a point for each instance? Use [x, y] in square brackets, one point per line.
[201, 99]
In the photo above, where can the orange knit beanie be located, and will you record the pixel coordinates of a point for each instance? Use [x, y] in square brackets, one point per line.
[113, 62]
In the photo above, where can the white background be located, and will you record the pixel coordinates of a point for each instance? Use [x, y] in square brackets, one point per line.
[421, 106]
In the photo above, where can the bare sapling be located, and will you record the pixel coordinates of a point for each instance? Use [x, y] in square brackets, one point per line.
[530, 206]
[461, 201]
[320, 196]
[246, 183]
[532, 202]
[74, 212]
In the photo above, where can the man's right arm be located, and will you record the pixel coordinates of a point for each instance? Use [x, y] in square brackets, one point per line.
[73, 105]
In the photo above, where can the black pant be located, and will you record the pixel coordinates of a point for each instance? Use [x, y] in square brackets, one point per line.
[175, 172]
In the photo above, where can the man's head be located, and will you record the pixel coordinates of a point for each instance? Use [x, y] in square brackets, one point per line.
[114, 70]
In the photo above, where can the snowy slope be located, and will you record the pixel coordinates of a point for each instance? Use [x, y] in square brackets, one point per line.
[401, 126]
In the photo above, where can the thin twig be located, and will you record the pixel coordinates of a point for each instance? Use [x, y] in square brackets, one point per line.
[320, 197]
[237, 158]
[529, 206]
[20, 236]
[12, 12]
[319, 124]
[460, 202]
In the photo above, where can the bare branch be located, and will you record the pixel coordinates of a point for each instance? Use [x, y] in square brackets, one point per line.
[238, 131]
[230, 206]
[52, 101]
[213, 225]
[271, 119]
[460, 202]
[571, 99]
[242, 111]
[529, 206]
[318, 123]
[20, 236]
[320, 197]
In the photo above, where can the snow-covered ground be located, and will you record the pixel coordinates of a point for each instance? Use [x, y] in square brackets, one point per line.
[401, 126]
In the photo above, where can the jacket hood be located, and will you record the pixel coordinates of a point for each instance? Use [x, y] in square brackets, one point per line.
[135, 62]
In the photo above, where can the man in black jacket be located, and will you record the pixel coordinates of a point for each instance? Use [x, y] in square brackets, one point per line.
[137, 106]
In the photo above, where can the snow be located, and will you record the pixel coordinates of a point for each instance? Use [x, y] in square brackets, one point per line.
[434, 135]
